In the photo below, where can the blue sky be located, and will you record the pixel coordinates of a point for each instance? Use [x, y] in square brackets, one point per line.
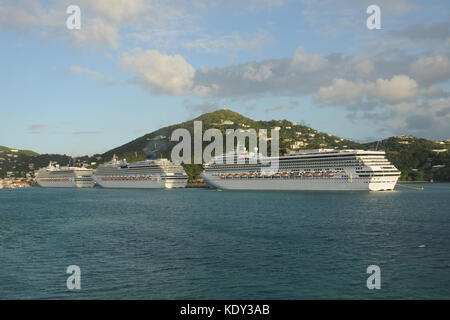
[135, 66]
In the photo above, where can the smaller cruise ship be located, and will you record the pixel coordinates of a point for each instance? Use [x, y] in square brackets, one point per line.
[150, 173]
[55, 176]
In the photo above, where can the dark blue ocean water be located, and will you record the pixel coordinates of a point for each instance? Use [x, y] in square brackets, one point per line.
[206, 244]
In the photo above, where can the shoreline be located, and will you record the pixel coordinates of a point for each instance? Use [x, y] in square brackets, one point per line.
[422, 181]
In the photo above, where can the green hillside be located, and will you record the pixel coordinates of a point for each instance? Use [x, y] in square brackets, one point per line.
[415, 157]
[18, 163]
[289, 133]
[24, 152]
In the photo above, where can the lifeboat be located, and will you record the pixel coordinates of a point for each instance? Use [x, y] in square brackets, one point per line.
[245, 175]
[329, 173]
[308, 174]
[237, 175]
[230, 175]
[285, 174]
[222, 176]
[277, 174]
[317, 174]
[252, 175]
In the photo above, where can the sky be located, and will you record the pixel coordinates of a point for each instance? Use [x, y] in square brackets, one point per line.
[135, 66]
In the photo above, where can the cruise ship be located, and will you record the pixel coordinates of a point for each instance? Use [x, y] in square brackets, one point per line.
[150, 173]
[320, 169]
[55, 176]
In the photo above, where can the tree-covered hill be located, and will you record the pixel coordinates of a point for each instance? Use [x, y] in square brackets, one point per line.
[418, 159]
[226, 119]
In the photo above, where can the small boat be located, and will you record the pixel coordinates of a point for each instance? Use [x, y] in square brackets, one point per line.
[317, 174]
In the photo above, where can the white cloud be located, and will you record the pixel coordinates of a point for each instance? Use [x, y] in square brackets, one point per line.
[234, 42]
[260, 73]
[364, 67]
[79, 70]
[114, 11]
[428, 119]
[205, 91]
[341, 91]
[102, 21]
[434, 92]
[158, 72]
[97, 33]
[239, 4]
[431, 69]
[94, 75]
[21, 15]
[307, 62]
[399, 88]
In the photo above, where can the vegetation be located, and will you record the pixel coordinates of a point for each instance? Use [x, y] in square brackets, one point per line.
[415, 158]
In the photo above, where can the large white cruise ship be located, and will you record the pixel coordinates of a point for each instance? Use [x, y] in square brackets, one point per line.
[55, 176]
[150, 173]
[321, 169]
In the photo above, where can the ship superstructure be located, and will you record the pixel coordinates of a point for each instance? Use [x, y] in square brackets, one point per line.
[320, 169]
[55, 176]
[150, 173]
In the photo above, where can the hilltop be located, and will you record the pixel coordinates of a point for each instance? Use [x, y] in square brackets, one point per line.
[292, 135]
[6, 150]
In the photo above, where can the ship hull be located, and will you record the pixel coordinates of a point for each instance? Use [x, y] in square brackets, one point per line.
[156, 183]
[69, 183]
[313, 184]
